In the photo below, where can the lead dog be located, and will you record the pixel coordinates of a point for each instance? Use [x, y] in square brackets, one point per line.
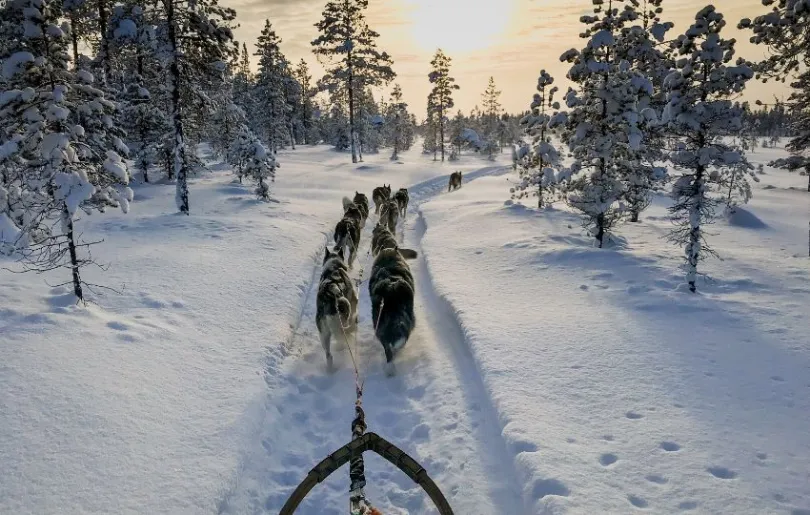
[389, 215]
[336, 303]
[380, 196]
[402, 198]
[455, 181]
[391, 288]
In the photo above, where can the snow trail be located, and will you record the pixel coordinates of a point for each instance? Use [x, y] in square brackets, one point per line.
[432, 408]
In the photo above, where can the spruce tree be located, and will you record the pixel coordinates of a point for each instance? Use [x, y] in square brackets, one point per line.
[270, 93]
[492, 111]
[59, 141]
[305, 111]
[398, 123]
[699, 113]
[349, 49]
[442, 94]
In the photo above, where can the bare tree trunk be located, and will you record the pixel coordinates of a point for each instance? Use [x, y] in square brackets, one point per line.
[74, 259]
[104, 43]
[351, 107]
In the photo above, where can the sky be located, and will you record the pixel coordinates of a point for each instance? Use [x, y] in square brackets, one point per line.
[510, 40]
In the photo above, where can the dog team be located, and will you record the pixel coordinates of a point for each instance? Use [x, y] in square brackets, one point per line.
[390, 285]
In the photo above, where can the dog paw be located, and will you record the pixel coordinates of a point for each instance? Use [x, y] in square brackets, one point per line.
[390, 369]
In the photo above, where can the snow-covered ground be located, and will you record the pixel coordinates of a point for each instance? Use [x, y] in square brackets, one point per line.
[616, 390]
[544, 376]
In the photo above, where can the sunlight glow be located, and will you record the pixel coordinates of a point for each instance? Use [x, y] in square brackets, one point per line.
[459, 25]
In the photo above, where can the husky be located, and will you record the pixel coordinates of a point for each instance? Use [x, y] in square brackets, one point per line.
[455, 181]
[402, 198]
[391, 288]
[380, 196]
[336, 304]
[382, 238]
[362, 202]
[389, 215]
[353, 211]
[347, 236]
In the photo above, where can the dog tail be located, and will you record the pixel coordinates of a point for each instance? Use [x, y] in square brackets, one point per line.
[408, 253]
[344, 243]
[346, 203]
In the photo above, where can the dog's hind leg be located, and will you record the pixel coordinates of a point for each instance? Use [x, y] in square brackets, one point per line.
[326, 338]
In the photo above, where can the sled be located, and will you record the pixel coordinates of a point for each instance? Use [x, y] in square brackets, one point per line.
[381, 446]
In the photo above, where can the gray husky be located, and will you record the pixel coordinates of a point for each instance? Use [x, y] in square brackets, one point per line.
[391, 289]
[353, 211]
[382, 238]
[380, 196]
[455, 181]
[389, 215]
[362, 202]
[336, 304]
[402, 198]
[347, 237]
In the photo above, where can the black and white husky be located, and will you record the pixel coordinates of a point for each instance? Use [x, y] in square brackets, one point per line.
[336, 304]
[402, 198]
[347, 238]
[391, 288]
[380, 196]
[360, 200]
[389, 215]
[455, 181]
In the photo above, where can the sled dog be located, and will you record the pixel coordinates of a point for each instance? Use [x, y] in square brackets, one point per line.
[455, 181]
[336, 304]
[380, 196]
[391, 288]
[347, 238]
[362, 202]
[402, 198]
[382, 238]
[389, 215]
[353, 211]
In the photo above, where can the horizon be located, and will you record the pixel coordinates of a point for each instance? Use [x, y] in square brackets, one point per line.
[510, 42]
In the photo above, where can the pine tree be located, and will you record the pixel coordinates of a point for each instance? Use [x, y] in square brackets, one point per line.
[492, 111]
[58, 141]
[198, 44]
[643, 48]
[305, 111]
[349, 48]
[398, 124]
[442, 93]
[270, 94]
[699, 113]
[540, 164]
[784, 30]
[602, 129]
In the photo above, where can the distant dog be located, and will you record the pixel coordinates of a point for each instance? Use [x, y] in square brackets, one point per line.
[382, 238]
[380, 196]
[391, 288]
[402, 198]
[389, 215]
[336, 304]
[362, 202]
[353, 211]
[455, 181]
[347, 238]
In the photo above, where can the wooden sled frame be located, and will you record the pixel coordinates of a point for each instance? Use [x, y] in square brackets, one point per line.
[368, 442]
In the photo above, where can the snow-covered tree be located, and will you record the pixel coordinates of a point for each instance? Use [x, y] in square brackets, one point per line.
[305, 110]
[270, 95]
[492, 111]
[349, 48]
[441, 96]
[198, 43]
[784, 30]
[399, 131]
[540, 164]
[253, 160]
[602, 128]
[699, 112]
[59, 141]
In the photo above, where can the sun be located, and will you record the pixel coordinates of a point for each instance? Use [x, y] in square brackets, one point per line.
[458, 26]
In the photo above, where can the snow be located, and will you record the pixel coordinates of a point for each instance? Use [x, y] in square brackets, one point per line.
[13, 65]
[544, 376]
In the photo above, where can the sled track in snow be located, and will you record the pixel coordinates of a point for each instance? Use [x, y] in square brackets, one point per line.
[435, 408]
